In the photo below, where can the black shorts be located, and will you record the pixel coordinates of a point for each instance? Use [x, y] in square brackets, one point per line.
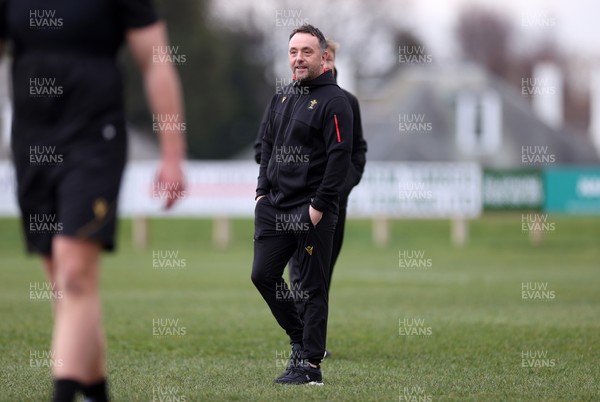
[70, 189]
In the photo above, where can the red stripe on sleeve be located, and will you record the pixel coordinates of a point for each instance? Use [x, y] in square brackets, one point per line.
[337, 128]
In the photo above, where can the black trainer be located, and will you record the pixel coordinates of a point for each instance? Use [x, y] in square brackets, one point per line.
[302, 374]
[295, 360]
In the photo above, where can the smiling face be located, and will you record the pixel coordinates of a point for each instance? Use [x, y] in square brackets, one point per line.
[306, 59]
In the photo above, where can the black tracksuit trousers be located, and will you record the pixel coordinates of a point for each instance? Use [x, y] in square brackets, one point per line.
[338, 240]
[280, 234]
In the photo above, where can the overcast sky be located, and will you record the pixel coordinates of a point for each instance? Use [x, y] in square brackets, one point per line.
[573, 24]
[576, 22]
[576, 25]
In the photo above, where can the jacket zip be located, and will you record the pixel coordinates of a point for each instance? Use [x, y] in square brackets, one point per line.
[286, 128]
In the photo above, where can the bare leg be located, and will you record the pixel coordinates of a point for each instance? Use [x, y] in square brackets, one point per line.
[49, 268]
[78, 340]
[50, 276]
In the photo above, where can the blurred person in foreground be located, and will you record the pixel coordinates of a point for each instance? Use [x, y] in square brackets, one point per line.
[69, 147]
[305, 157]
[355, 171]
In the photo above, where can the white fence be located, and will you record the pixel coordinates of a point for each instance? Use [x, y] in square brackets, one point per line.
[226, 189]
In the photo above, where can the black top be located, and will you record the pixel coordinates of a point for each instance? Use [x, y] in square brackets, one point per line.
[64, 72]
[306, 145]
[359, 146]
[359, 150]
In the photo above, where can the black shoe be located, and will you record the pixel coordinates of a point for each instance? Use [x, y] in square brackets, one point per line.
[303, 374]
[295, 360]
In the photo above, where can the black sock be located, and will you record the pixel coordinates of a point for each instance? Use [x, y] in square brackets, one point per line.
[96, 392]
[65, 390]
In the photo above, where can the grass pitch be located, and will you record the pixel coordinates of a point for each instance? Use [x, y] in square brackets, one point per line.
[459, 327]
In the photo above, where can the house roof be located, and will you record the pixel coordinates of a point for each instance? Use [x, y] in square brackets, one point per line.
[431, 92]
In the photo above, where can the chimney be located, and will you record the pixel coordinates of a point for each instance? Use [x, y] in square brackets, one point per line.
[546, 88]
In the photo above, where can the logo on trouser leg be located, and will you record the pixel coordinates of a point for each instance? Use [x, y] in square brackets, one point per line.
[100, 208]
[309, 249]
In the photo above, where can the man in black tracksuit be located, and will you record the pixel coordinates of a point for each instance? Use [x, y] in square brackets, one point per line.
[354, 174]
[355, 171]
[305, 156]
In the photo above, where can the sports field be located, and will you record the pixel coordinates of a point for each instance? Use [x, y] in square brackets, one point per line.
[496, 320]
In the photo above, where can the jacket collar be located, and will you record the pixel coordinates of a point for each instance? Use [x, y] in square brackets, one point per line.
[327, 78]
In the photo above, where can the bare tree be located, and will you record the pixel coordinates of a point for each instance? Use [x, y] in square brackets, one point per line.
[484, 37]
[362, 28]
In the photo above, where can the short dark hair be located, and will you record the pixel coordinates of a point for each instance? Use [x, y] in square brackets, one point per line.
[316, 32]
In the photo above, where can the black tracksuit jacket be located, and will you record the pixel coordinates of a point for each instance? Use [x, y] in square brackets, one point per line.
[359, 146]
[306, 145]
